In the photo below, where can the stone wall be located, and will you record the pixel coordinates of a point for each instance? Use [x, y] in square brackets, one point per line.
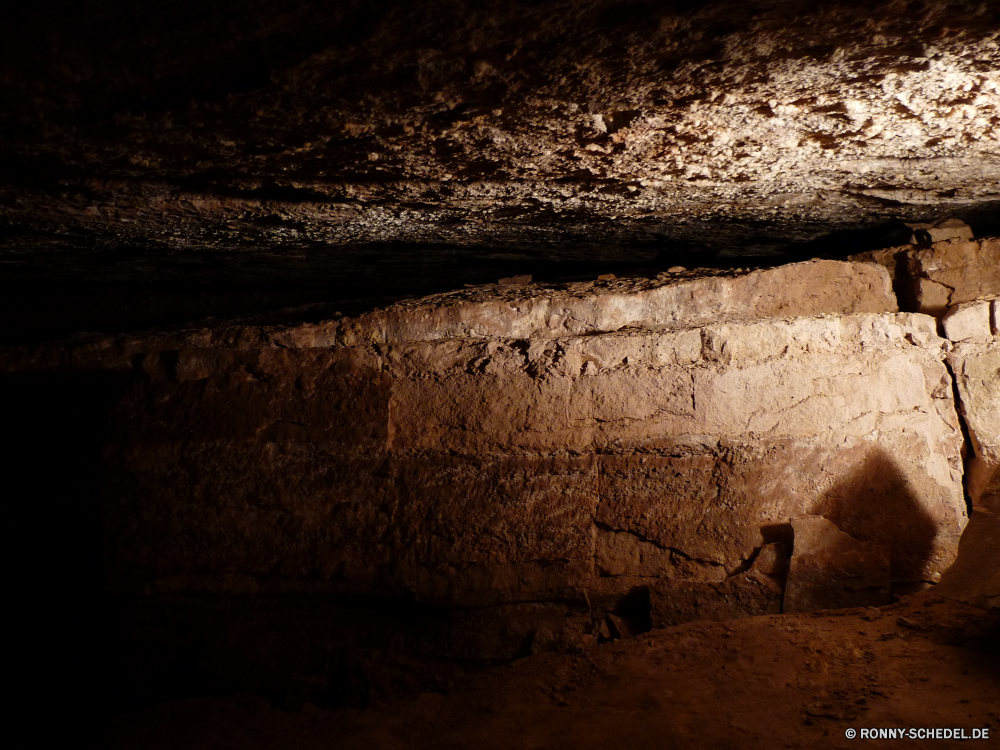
[477, 494]
[474, 473]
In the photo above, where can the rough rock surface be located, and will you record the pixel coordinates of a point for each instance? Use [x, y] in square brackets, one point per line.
[793, 680]
[974, 578]
[165, 144]
[349, 509]
[831, 570]
[934, 279]
[952, 272]
[614, 462]
[970, 320]
[977, 376]
[500, 456]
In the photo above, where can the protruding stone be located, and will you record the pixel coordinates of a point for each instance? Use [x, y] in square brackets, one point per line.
[968, 321]
[977, 374]
[930, 297]
[832, 570]
[823, 287]
[946, 229]
[932, 279]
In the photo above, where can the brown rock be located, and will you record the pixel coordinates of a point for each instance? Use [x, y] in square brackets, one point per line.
[799, 289]
[522, 280]
[832, 570]
[945, 229]
[446, 469]
[977, 376]
[954, 271]
[950, 272]
[968, 320]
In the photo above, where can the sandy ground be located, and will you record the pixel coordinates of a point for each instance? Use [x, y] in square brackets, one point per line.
[765, 682]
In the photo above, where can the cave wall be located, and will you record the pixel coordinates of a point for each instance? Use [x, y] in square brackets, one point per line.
[347, 508]
[473, 473]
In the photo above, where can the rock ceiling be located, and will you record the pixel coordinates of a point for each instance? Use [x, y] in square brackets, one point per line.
[380, 145]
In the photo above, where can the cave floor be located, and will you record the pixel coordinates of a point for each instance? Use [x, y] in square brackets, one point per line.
[793, 681]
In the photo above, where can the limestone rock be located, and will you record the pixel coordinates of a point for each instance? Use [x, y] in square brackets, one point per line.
[471, 472]
[969, 320]
[832, 570]
[948, 273]
[798, 289]
[977, 375]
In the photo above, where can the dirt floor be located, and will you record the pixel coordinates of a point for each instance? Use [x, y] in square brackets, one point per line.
[777, 681]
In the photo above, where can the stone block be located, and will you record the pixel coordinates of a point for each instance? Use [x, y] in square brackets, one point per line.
[954, 271]
[298, 395]
[481, 472]
[977, 377]
[799, 289]
[831, 570]
[939, 231]
[969, 320]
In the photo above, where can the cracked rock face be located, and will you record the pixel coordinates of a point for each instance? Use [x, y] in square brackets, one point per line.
[524, 467]
[559, 469]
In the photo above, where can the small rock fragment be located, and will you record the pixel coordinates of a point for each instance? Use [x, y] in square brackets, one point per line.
[522, 280]
[606, 277]
[832, 570]
[873, 614]
[772, 560]
[676, 269]
[618, 627]
[938, 231]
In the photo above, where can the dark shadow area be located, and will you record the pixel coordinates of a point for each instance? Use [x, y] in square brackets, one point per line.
[635, 611]
[874, 503]
[63, 294]
[56, 427]
[837, 243]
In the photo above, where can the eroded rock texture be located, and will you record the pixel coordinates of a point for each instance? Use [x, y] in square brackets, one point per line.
[632, 450]
[414, 469]
[214, 158]
[500, 456]
[977, 375]
[520, 467]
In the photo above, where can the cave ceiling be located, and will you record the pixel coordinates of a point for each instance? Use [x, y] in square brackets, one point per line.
[389, 147]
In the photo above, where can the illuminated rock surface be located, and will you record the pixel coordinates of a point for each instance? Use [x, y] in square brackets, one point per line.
[977, 376]
[373, 361]
[831, 570]
[159, 167]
